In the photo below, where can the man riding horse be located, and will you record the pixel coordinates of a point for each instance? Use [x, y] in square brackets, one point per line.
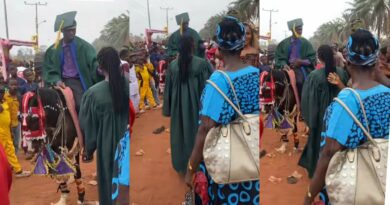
[173, 43]
[70, 62]
[297, 57]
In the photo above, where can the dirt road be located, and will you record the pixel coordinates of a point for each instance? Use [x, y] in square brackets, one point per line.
[281, 166]
[40, 190]
[153, 180]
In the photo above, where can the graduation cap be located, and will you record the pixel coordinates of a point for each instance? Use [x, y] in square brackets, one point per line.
[182, 18]
[294, 23]
[65, 20]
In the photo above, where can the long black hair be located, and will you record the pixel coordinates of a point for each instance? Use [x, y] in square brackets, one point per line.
[186, 48]
[109, 61]
[326, 55]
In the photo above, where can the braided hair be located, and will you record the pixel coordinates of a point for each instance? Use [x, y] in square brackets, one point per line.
[231, 35]
[109, 61]
[186, 47]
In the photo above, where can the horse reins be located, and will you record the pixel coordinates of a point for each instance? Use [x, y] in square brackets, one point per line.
[60, 122]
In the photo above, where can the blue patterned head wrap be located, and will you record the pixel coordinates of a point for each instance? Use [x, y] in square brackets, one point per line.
[361, 59]
[225, 44]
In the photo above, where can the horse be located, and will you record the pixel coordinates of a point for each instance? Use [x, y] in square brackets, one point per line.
[282, 109]
[61, 135]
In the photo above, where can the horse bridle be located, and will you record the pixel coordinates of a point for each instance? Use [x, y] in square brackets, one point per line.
[286, 85]
[60, 121]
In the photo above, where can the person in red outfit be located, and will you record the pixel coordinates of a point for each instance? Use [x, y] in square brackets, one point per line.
[5, 178]
[132, 115]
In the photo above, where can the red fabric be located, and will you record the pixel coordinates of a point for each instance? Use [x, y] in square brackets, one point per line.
[132, 115]
[5, 178]
[267, 84]
[41, 133]
[200, 187]
[319, 66]
[261, 128]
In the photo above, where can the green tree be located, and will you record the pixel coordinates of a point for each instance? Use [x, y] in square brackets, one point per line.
[115, 33]
[209, 29]
[376, 13]
[336, 31]
[248, 10]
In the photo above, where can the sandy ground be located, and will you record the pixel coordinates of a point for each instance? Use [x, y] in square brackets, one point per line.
[281, 166]
[41, 190]
[153, 180]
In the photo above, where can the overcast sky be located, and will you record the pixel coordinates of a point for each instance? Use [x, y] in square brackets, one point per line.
[94, 14]
[313, 13]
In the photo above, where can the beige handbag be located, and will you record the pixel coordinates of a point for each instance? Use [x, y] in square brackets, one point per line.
[231, 152]
[358, 176]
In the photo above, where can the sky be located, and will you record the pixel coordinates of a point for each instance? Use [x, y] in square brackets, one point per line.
[313, 13]
[94, 14]
[91, 18]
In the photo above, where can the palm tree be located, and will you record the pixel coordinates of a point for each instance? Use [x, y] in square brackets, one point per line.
[375, 12]
[330, 32]
[209, 29]
[115, 33]
[248, 9]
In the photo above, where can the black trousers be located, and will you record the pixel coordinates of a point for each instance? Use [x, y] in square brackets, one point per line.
[77, 89]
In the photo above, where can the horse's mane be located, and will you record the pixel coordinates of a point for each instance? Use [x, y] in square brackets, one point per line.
[279, 75]
[48, 96]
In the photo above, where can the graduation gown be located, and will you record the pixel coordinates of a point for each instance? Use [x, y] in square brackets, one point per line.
[103, 128]
[282, 53]
[182, 104]
[85, 61]
[174, 40]
[316, 97]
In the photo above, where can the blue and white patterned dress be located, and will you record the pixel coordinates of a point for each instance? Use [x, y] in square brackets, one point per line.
[214, 106]
[340, 126]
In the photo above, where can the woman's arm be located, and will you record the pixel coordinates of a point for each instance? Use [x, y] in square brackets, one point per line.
[318, 181]
[197, 152]
[334, 79]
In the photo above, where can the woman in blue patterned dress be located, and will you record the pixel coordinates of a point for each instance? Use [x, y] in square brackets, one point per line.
[340, 131]
[216, 111]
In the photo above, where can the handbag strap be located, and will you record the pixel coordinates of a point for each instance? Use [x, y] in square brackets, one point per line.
[367, 133]
[226, 98]
[361, 106]
[231, 86]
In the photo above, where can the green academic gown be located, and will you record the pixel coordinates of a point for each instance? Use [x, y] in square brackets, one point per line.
[103, 128]
[182, 104]
[306, 52]
[174, 40]
[86, 63]
[316, 97]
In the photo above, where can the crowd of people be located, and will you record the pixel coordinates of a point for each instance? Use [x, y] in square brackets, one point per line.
[98, 106]
[206, 88]
[357, 76]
